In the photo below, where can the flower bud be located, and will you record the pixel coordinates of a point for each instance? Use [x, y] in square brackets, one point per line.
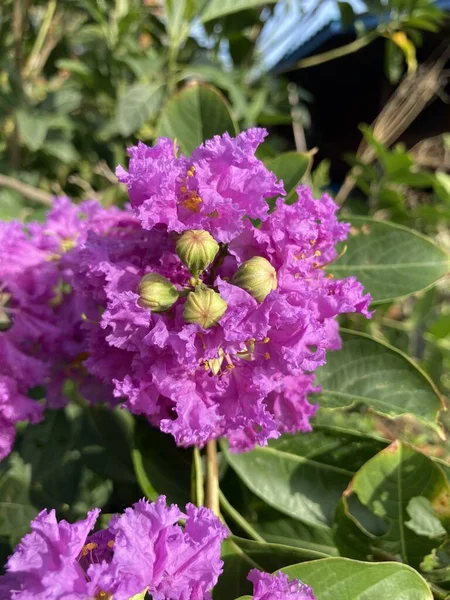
[157, 293]
[204, 307]
[257, 277]
[197, 249]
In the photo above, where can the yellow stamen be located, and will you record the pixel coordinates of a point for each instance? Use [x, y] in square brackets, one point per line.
[317, 253]
[88, 548]
[192, 202]
[103, 596]
[110, 544]
[191, 171]
[267, 356]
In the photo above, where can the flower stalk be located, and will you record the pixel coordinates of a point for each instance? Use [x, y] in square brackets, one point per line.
[212, 477]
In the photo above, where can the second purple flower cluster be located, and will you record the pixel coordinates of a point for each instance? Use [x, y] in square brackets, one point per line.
[144, 550]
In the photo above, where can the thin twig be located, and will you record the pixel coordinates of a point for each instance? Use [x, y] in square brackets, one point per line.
[212, 477]
[103, 169]
[323, 57]
[26, 190]
[40, 39]
[17, 29]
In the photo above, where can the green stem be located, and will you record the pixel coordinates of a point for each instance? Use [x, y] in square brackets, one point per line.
[197, 491]
[239, 519]
[324, 57]
[438, 592]
[212, 477]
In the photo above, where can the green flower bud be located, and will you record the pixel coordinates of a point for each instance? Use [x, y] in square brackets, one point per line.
[257, 277]
[197, 249]
[205, 307]
[157, 293]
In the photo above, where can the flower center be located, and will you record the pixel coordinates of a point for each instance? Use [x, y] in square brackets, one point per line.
[190, 199]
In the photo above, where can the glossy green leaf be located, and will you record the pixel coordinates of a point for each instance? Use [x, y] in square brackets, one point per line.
[136, 106]
[291, 168]
[215, 9]
[391, 261]
[240, 555]
[160, 466]
[375, 512]
[195, 114]
[369, 372]
[298, 486]
[342, 578]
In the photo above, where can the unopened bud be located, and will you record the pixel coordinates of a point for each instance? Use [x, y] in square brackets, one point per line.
[204, 307]
[197, 249]
[257, 277]
[157, 293]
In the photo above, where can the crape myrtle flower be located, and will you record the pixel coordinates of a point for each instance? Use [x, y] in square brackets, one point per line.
[144, 549]
[212, 190]
[278, 587]
[206, 324]
[41, 341]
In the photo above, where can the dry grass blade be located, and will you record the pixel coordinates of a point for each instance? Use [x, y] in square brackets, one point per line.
[413, 94]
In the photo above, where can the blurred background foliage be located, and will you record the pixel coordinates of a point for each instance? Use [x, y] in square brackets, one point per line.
[354, 97]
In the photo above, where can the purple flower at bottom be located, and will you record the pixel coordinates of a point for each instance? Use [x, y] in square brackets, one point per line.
[278, 587]
[142, 549]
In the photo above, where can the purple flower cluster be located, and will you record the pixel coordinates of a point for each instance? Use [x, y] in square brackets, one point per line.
[232, 347]
[248, 377]
[41, 342]
[144, 549]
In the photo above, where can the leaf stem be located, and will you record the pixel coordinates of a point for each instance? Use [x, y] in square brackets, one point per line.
[239, 519]
[438, 592]
[212, 477]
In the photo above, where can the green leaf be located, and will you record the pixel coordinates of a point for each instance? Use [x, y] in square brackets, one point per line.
[391, 261]
[195, 114]
[423, 518]
[33, 129]
[63, 150]
[291, 168]
[106, 442]
[240, 555]
[74, 66]
[373, 514]
[373, 373]
[136, 106]
[300, 487]
[16, 508]
[160, 466]
[219, 8]
[339, 578]
[56, 467]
